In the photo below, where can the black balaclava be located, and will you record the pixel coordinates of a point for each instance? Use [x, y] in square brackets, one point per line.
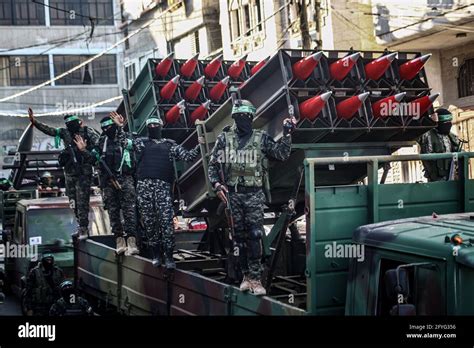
[72, 126]
[154, 133]
[111, 131]
[243, 123]
[48, 263]
[444, 127]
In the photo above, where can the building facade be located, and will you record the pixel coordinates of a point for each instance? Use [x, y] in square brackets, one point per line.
[42, 39]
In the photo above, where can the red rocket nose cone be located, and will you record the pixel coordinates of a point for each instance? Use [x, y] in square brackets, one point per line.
[421, 105]
[163, 67]
[237, 67]
[410, 69]
[376, 68]
[168, 90]
[187, 69]
[192, 92]
[341, 68]
[305, 66]
[200, 112]
[388, 106]
[258, 66]
[311, 108]
[348, 107]
[213, 67]
[172, 116]
[218, 90]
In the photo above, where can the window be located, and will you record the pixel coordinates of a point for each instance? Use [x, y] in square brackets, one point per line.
[21, 12]
[101, 9]
[130, 74]
[195, 42]
[102, 71]
[466, 79]
[26, 70]
[245, 17]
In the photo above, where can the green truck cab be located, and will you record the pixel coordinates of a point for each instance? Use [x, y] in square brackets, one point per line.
[45, 225]
[432, 257]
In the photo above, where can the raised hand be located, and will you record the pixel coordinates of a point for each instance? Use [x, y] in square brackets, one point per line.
[117, 118]
[80, 142]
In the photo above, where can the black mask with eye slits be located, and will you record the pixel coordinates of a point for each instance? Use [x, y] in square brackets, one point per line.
[154, 133]
[73, 126]
[444, 128]
[111, 131]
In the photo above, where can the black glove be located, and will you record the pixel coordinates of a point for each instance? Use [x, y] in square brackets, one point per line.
[288, 127]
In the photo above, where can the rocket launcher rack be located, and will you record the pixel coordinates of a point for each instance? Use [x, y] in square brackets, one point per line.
[345, 102]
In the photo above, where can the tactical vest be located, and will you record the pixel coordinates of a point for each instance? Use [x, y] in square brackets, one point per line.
[112, 153]
[245, 163]
[79, 308]
[43, 294]
[155, 162]
[443, 165]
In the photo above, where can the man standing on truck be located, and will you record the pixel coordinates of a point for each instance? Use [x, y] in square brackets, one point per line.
[156, 157]
[236, 172]
[77, 171]
[439, 140]
[116, 172]
[42, 286]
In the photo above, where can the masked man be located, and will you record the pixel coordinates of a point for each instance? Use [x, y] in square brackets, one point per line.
[116, 172]
[439, 140]
[155, 176]
[77, 171]
[42, 286]
[70, 304]
[236, 170]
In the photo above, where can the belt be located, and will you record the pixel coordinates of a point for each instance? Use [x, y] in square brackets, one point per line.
[244, 189]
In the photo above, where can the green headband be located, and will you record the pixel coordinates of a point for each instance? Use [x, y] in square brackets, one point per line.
[71, 118]
[243, 109]
[106, 123]
[154, 120]
[445, 117]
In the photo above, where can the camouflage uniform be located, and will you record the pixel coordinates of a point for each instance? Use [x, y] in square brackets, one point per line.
[155, 203]
[434, 142]
[245, 192]
[63, 308]
[116, 200]
[42, 289]
[78, 176]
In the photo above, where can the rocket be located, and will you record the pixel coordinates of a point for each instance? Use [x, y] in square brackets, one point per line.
[376, 68]
[258, 66]
[305, 66]
[348, 107]
[172, 115]
[421, 105]
[163, 67]
[311, 107]
[188, 67]
[218, 90]
[192, 92]
[167, 91]
[213, 67]
[384, 107]
[410, 69]
[339, 69]
[237, 67]
[200, 112]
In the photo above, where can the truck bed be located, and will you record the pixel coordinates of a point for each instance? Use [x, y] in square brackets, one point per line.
[131, 285]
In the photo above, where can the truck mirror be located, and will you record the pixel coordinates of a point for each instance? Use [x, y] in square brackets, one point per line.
[394, 286]
[403, 310]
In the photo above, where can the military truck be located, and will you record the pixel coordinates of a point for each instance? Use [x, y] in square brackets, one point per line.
[45, 225]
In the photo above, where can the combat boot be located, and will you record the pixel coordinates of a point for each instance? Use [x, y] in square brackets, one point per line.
[131, 247]
[169, 261]
[156, 262]
[83, 233]
[257, 288]
[121, 246]
[246, 284]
